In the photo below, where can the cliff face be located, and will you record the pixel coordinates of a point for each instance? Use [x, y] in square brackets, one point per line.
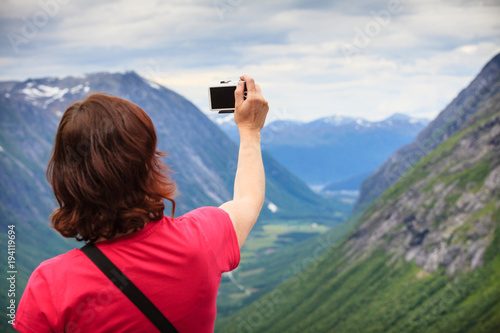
[441, 213]
[479, 94]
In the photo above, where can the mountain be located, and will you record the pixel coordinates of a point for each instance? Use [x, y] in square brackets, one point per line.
[350, 184]
[424, 257]
[333, 149]
[202, 156]
[480, 93]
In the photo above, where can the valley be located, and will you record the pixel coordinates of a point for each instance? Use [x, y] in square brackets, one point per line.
[422, 257]
[418, 250]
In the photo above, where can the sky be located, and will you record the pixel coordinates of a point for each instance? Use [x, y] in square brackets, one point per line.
[312, 59]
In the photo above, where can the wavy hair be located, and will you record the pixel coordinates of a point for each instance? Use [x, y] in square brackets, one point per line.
[105, 171]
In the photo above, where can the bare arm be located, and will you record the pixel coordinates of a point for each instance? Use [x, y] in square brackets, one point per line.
[249, 183]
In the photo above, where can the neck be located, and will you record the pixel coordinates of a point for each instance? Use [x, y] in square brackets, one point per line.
[118, 235]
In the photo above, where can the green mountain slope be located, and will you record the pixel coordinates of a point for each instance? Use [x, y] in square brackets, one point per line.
[424, 257]
[371, 296]
[259, 275]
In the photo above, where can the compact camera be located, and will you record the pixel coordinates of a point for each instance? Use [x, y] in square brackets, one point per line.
[221, 96]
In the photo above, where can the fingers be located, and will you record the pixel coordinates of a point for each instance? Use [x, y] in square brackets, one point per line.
[250, 114]
[259, 95]
[238, 93]
[253, 91]
[250, 83]
[257, 90]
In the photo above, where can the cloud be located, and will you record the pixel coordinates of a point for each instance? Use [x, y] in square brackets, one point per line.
[312, 58]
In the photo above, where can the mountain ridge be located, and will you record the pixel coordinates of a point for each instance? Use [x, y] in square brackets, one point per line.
[44, 94]
[332, 149]
[456, 114]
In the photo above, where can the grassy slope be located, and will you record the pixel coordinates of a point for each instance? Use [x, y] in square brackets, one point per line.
[266, 272]
[373, 296]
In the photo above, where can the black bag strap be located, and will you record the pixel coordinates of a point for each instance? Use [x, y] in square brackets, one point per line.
[128, 288]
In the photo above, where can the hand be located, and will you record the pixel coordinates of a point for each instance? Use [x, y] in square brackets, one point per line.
[250, 113]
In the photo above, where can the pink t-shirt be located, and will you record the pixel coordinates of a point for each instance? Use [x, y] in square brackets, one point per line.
[176, 264]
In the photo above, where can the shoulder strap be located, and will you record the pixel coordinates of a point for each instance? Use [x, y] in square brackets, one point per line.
[128, 288]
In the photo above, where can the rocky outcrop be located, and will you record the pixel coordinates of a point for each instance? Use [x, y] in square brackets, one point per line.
[441, 215]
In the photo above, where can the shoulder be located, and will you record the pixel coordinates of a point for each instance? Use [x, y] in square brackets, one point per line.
[49, 274]
[45, 291]
[53, 266]
[61, 259]
[207, 212]
[209, 220]
[218, 231]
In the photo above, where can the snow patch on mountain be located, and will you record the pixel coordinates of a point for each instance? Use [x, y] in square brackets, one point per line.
[153, 85]
[42, 95]
[43, 91]
[81, 87]
[272, 207]
[50, 94]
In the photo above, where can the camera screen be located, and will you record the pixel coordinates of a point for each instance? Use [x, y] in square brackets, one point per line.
[222, 97]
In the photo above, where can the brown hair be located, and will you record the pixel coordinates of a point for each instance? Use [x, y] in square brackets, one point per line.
[105, 171]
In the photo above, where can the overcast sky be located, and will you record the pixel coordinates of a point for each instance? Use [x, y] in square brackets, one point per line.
[312, 58]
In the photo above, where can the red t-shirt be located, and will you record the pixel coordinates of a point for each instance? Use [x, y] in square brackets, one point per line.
[176, 264]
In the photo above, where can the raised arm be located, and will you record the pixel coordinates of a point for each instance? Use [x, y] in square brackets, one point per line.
[249, 183]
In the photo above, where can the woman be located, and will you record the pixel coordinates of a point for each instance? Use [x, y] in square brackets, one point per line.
[108, 179]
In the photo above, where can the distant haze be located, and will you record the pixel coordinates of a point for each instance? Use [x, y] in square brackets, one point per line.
[337, 152]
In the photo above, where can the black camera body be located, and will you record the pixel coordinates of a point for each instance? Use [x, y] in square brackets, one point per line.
[221, 96]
